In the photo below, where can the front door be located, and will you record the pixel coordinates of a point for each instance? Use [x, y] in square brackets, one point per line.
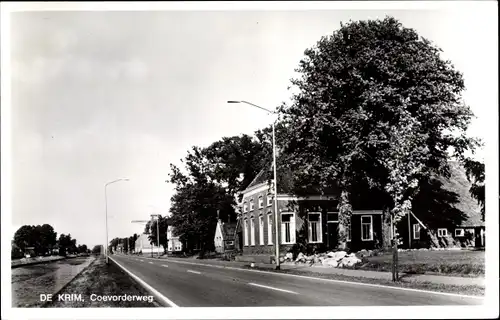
[332, 235]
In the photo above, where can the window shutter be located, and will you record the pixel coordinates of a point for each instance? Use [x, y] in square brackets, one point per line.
[292, 229]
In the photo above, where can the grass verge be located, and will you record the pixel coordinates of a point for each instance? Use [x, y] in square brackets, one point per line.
[105, 281]
[422, 285]
[456, 263]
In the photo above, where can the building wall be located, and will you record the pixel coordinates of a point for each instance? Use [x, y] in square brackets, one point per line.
[357, 242]
[267, 211]
[218, 239]
[174, 245]
[445, 237]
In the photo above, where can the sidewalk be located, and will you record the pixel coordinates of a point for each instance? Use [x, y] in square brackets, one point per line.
[321, 270]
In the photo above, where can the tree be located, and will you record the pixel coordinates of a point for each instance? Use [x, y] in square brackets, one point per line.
[375, 105]
[132, 241]
[23, 237]
[475, 173]
[47, 238]
[66, 244]
[114, 243]
[98, 249]
[82, 248]
[153, 237]
[206, 188]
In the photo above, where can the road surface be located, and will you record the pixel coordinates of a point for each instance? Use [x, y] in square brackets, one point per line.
[190, 285]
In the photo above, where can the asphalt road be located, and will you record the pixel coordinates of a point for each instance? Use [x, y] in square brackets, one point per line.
[189, 285]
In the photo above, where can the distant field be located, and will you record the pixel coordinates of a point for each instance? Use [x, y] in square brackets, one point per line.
[468, 263]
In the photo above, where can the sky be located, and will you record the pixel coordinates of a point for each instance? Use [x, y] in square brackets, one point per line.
[98, 96]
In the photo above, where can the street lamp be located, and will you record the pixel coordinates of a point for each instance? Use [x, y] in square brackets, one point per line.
[106, 200]
[275, 182]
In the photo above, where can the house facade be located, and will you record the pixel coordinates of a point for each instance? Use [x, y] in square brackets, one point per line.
[312, 223]
[416, 234]
[143, 245]
[311, 220]
[224, 239]
[458, 224]
[174, 244]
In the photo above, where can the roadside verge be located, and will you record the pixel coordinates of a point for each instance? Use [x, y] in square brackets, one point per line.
[101, 285]
[161, 299]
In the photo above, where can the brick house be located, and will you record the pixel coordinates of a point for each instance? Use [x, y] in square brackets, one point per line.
[313, 220]
[309, 219]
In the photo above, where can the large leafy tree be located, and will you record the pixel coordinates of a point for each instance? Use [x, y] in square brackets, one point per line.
[41, 237]
[47, 238]
[375, 105]
[23, 237]
[205, 188]
[67, 245]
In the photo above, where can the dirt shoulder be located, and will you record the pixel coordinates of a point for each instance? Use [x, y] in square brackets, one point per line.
[102, 285]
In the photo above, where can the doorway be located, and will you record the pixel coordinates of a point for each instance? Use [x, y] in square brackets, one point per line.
[332, 235]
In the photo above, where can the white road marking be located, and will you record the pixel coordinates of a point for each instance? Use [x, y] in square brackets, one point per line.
[142, 260]
[164, 265]
[147, 286]
[192, 271]
[334, 281]
[150, 262]
[272, 288]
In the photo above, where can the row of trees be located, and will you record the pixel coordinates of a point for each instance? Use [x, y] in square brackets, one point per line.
[128, 243]
[41, 240]
[376, 111]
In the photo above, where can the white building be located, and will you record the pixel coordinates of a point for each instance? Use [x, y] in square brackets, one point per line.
[142, 244]
[174, 244]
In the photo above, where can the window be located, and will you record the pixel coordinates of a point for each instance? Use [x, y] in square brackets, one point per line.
[348, 232]
[261, 202]
[366, 228]
[332, 217]
[269, 199]
[245, 233]
[314, 221]
[287, 228]
[261, 230]
[416, 231]
[252, 232]
[459, 232]
[245, 207]
[251, 205]
[269, 228]
[442, 232]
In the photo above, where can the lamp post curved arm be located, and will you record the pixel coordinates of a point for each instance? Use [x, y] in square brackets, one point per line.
[106, 202]
[277, 246]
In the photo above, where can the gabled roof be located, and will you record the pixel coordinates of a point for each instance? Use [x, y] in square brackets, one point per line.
[261, 177]
[459, 184]
[265, 175]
